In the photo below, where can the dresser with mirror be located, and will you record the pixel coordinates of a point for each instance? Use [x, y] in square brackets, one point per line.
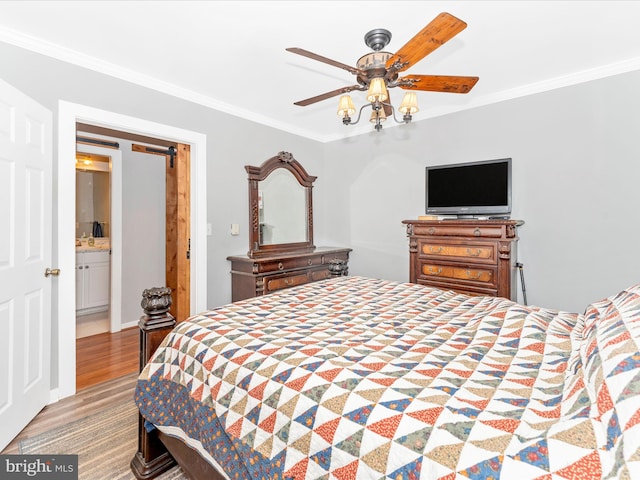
[281, 249]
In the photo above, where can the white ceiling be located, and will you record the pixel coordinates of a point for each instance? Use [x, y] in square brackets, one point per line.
[231, 55]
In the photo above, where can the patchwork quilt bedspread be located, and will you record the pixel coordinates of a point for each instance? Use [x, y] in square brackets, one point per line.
[358, 378]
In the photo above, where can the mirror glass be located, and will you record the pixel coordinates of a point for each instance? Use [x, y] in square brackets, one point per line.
[282, 207]
[92, 202]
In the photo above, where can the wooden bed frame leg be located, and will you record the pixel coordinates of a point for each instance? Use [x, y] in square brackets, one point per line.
[152, 458]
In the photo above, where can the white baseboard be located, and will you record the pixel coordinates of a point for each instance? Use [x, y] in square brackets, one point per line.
[54, 396]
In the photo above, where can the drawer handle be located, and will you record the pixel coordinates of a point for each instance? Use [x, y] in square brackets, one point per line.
[435, 250]
[475, 276]
[431, 231]
[280, 266]
[309, 262]
[477, 232]
[471, 253]
[433, 271]
[287, 281]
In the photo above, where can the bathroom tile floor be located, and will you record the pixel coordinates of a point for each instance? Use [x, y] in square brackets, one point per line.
[92, 324]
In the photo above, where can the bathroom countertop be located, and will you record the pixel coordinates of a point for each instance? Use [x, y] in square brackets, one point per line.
[101, 244]
[95, 248]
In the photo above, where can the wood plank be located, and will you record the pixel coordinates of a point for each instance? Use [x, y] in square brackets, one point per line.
[171, 232]
[106, 356]
[85, 402]
[178, 227]
[183, 219]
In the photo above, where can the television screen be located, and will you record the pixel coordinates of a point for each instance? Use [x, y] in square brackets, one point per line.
[469, 189]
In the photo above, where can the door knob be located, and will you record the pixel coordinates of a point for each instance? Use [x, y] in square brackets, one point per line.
[49, 271]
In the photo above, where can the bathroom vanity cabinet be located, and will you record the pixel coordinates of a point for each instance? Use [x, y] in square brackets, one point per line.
[92, 281]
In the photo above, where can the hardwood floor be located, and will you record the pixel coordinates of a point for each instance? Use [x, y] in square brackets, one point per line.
[106, 356]
[107, 368]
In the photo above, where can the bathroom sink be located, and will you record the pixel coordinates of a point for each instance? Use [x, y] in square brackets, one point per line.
[100, 244]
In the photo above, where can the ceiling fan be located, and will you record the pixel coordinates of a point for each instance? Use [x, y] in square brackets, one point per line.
[378, 71]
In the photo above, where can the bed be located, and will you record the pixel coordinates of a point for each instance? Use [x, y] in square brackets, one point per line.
[360, 378]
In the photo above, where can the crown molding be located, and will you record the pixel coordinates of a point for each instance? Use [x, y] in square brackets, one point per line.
[107, 68]
[92, 63]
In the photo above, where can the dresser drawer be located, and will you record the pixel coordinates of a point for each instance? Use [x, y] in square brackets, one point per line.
[469, 252]
[278, 283]
[476, 275]
[320, 274]
[278, 265]
[460, 229]
[296, 263]
[457, 287]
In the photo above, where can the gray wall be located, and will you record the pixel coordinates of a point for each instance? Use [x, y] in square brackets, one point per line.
[575, 174]
[576, 169]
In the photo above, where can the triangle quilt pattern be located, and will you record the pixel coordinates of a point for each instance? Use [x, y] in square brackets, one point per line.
[355, 378]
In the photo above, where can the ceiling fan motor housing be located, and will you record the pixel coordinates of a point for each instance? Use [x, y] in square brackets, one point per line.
[374, 64]
[377, 39]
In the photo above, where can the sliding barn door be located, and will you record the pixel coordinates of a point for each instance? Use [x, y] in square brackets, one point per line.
[178, 243]
[25, 252]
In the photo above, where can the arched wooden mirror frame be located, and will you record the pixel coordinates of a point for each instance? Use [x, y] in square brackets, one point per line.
[255, 176]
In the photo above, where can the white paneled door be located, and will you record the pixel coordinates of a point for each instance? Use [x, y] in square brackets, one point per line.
[25, 253]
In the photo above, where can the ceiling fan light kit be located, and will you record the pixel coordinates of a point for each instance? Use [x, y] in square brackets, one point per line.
[378, 71]
[377, 91]
[346, 108]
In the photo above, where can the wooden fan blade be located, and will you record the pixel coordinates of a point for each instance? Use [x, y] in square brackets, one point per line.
[437, 83]
[386, 106]
[308, 54]
[441, 29]
[324, 96]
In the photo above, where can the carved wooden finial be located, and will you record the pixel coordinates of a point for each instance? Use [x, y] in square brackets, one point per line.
[338, 267]
[285, 157]
[156, 301]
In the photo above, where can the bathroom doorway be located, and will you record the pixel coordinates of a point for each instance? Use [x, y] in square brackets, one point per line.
[93, 262]
[98, 240]
[147, 206]
[70, 116]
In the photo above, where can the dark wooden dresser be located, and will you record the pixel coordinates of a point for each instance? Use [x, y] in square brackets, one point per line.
[476, 257]
[252, 277]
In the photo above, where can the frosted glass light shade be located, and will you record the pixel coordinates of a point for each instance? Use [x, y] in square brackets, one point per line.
[409, 104]
[345, 106]
[377, 90]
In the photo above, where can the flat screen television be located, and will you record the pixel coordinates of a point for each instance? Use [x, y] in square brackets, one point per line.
[474, 189]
